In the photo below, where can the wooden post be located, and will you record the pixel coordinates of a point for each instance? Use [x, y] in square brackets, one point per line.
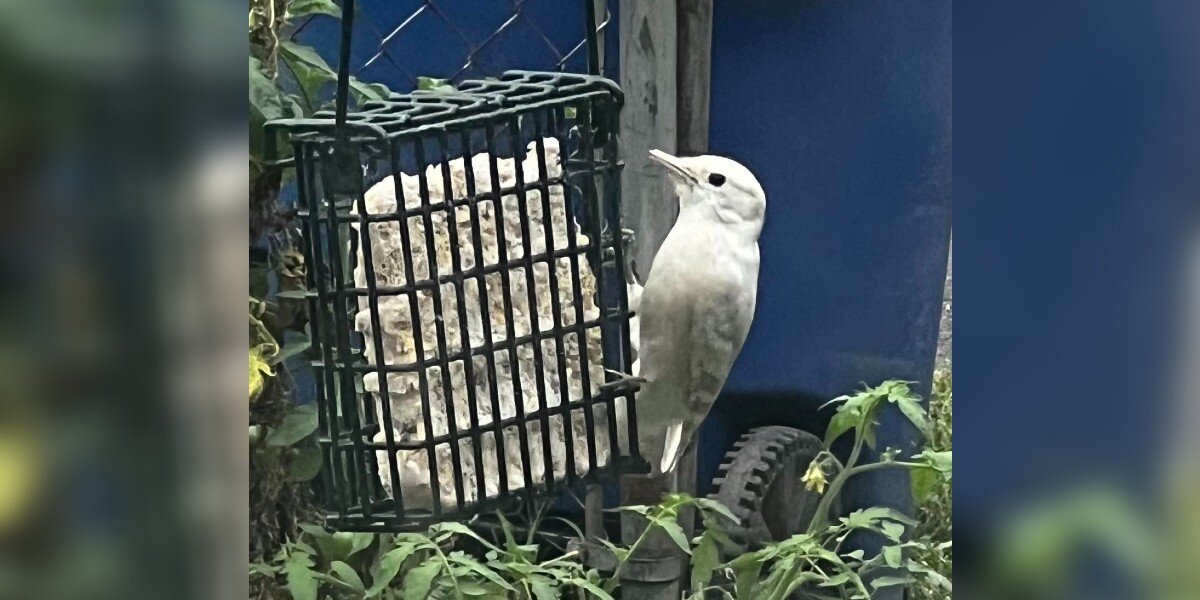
[648, 67]
[655, 571]
[593, 515]
[693, 79]
[665, 74]
[600, 10]
[694, 74]
[648, 53]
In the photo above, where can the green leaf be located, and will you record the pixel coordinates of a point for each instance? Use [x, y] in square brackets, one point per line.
[304, 8]
[261, 568]
[705, 558]
[470, 588]
[340, 545]
[431, 84]
[265, 100]
[293, 294]
[459, 528]
[869, 433]
[306, 55]
[893, 530]
[888, 580]
[675, 532]
[620, 553]
[915, 412]
[841, 422]
[311, 71]
[297, 424]
[510, 542]
[543, 588]
[330, 547]
[472, 565]
[305, 463]
[746, 570]
[634, 508]
[840, 579]
[942, 462]
[301, 579]
[299, 343]
[712, 506]
[384, 572]
[923, 483]
[345, 573]
[591, 588]
[358, 540]
[937, 579]
[418, 581]
[369, 91]
[302, 585]
[893, 556]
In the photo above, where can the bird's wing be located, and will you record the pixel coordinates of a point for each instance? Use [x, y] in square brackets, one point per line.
[691, 332]
[664, 356]
[713, 345]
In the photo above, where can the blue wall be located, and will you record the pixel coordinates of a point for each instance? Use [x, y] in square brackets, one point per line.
[842, 109]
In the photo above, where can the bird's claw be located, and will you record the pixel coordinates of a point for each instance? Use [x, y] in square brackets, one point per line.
[623, 379]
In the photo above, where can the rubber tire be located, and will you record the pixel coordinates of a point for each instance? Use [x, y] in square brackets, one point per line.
[760, 481]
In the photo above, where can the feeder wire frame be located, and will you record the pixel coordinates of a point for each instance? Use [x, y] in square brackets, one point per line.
[409, 133]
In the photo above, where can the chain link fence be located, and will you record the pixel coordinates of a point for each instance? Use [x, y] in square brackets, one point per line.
[397, 43]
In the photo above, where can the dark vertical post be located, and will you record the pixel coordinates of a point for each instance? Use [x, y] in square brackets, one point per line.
[655, 571]
[693, 79]
[693, 74]
[342, 101]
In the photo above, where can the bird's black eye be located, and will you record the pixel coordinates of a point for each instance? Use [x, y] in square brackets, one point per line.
[716, 179]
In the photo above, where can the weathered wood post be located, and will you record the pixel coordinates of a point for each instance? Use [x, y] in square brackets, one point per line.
[665, 72]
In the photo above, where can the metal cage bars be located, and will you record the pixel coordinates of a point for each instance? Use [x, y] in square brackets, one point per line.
[497, 111]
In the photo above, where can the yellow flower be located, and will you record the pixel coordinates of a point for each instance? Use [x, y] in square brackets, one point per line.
[20, 479]
[814, 479]
[259, 370]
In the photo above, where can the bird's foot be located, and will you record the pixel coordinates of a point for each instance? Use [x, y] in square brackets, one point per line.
[622, 380]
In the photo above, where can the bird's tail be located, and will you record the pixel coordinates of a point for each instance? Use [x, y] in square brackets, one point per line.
[672, 447]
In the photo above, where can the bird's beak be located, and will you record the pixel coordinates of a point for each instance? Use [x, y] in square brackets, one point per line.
[673, 165]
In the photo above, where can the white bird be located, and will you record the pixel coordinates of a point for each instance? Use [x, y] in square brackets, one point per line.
[698, 301]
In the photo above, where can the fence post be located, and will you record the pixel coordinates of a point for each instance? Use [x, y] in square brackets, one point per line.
[666, 58]
[693, 77]
[647, 121]
[694, 74]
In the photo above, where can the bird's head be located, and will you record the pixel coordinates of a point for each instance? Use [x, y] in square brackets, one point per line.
[717, 184]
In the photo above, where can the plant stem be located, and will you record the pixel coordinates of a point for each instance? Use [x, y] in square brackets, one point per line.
[885, 465]
[632, 549]
[780, 587]
[821, 516]
[449, 570]
[563, 557]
